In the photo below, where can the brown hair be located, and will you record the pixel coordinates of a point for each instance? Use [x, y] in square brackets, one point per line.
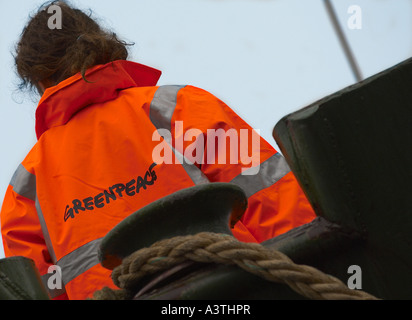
[53, 55]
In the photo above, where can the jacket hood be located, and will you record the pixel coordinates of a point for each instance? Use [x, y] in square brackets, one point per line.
[59, 103]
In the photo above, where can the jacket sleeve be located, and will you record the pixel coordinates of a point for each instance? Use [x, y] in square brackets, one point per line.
[20, 227]
[276, 203]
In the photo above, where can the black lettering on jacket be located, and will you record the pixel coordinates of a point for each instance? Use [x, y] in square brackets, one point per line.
[118, 190]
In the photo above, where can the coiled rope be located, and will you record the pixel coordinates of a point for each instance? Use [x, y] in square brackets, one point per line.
[208, 247]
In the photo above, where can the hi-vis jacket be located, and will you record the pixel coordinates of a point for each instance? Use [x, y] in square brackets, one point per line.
[93, 165]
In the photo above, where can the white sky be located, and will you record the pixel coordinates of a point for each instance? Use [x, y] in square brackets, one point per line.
[264, 58]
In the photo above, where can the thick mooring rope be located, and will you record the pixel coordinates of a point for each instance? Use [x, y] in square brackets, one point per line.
[207, 247]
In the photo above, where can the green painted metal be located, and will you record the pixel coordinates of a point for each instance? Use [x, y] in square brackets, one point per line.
[210, 207]
[351, 153]
[184, 213]
[20, 280]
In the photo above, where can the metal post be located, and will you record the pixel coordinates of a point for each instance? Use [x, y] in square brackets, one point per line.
[348, 52]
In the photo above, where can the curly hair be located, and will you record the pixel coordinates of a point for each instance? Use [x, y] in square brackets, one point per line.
[53, 55]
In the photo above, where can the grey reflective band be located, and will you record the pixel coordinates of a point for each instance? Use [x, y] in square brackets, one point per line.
[197, 176]
[45, 231]
[271, 171]
[162, 108]
[24, 183]
[75, 263]
[79, 261]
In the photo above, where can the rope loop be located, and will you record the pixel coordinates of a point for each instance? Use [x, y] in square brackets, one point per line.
[207, 247]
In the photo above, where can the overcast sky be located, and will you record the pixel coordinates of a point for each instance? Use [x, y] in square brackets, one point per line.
[264, 58]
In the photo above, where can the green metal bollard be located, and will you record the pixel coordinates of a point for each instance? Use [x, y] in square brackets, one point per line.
[209, 207]
[20, 280]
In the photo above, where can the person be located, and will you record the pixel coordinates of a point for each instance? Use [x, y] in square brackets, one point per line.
[105, 132]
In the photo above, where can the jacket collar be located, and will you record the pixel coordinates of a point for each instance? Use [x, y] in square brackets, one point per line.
[59, 103]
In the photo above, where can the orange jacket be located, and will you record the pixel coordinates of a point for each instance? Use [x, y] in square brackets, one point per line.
[93, 165]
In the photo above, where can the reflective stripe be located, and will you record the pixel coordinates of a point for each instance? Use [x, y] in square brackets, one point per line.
[271, 171]
[75, 263]
[79, 261]
[162, 108]
[45, 231]
[24, 183]
[197, 176]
